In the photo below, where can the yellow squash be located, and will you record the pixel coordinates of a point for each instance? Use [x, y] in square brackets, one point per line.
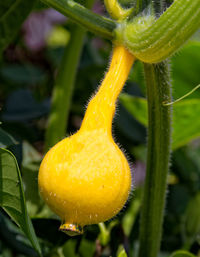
[85, 178]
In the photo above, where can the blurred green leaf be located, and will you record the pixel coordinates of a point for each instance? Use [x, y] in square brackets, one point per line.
[87, 248]
[14, 238]
[6, 253]
[12, 15]
[104, 235]
[23, 74]
[185, 70]
[182, 253]
[137, 106]
[30, 167]
[69, 248]
[192, 219]
[186, 165]
[186, 122]
[131, 213]
[73, 249]
[130, 129]
[122, 254]
[12, 195]
[21, 106]
[137, 75]
[6, 139]
[58, 37]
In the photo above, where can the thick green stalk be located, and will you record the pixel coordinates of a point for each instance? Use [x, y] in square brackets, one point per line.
[159, 145]
[153, 40]
[63, 89]
[93, 22]
[64, 86]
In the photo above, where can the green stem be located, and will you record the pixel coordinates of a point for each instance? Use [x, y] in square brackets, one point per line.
[158, 7]
[104, 235]
[116, 11]
[93, 22]
[153, 40]
[63, 89]
[141, 5]
[64, 86]
[159, 145]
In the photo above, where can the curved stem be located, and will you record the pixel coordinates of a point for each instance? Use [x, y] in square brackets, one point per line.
[159, 146]
[116, 11]
[93, 22]
[160, 38]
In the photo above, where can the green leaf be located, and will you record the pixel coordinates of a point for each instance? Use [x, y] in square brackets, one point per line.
[12, 198]
[185, 70]
[192, 219]
[186, 122]
[69, 248]
[12, 15]
[17, 239]
[182, 253]
[87, 248]
[6, 139]
[104, 235]
[136, 106]
[122, 254]
[22, 74]
[131, 213]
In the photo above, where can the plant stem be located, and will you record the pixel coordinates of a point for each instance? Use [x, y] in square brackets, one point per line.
[140, 5]
[64, 86]
[116, 11]
[93, 22]
[158, 7]
[63, 89]
[160, 38]
[159, 145]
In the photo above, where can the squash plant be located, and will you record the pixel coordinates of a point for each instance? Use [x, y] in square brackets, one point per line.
[151, 32]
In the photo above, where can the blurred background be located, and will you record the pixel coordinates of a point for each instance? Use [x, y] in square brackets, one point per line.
[28, 69]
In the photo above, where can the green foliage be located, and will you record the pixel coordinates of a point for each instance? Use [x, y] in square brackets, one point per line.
[29, 76]
[86, 248]
[12, 196]
[6, 139]
[12, 15]
[22, 74]
[122, 254]
[182, 254]
[191, 223]
[185, 70]
[104, 235]
[131, 214]
[186, 124]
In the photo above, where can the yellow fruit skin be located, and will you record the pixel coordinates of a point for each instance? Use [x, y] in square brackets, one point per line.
[87, 183]
[85, 178]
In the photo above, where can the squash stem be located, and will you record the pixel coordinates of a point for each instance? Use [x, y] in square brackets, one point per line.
[64, 87]
[93, 22]
[158, 156]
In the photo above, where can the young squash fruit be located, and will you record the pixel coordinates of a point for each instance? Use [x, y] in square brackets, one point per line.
[85, 178]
